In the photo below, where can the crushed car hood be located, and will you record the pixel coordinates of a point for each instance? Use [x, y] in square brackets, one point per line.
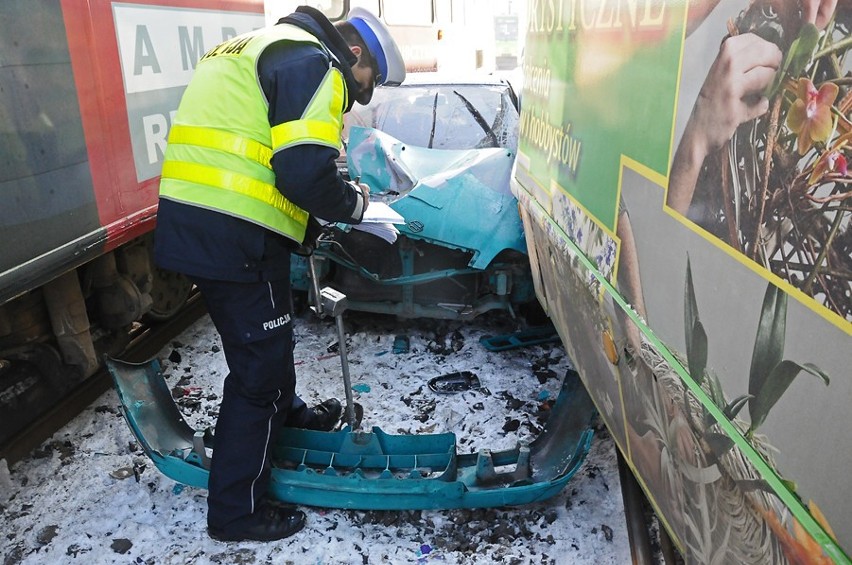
[455, 198]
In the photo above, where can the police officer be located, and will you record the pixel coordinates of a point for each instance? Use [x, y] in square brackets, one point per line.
[250, 159]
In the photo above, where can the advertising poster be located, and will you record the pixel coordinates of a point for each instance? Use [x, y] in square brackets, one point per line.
[683, 181]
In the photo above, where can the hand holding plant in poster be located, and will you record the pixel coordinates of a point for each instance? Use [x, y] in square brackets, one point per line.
[763, 160]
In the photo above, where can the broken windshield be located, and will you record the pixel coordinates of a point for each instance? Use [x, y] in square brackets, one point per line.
[450, 116]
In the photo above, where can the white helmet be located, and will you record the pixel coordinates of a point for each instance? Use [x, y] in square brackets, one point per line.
[382, 46]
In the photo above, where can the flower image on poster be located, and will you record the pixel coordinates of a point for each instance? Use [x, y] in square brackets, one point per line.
[761, 164]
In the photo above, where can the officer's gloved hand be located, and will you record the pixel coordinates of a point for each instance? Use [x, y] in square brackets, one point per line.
[312, 233]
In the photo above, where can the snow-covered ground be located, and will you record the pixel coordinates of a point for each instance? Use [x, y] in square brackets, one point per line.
[90, 495]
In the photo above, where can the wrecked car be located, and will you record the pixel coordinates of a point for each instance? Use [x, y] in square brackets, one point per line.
[444, 241]
[439, 153]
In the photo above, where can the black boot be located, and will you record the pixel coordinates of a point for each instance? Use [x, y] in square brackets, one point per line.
[269, 522]
[324, 416]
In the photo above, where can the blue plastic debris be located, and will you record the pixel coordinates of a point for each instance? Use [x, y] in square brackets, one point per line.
[401, 344]
[361, 387]
[370, 470]
[523, 338]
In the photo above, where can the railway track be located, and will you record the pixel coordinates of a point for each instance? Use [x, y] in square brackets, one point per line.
[146, 341]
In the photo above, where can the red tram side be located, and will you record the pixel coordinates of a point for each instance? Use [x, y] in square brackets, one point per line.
[87, 91]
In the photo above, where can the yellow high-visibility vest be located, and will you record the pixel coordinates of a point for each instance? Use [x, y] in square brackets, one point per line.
[221, 143]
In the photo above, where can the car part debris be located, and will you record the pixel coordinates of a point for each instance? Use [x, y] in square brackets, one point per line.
[523, 338]
[370, 470]
[458, 381]
[401, 344]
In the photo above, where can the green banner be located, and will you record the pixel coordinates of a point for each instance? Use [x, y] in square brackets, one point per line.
[600, 82]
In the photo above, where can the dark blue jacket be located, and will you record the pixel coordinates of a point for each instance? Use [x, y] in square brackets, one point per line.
[207, 244]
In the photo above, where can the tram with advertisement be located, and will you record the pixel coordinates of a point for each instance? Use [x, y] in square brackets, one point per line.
[683, 182]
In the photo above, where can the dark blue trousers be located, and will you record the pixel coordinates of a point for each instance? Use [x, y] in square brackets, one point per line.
[255, 323]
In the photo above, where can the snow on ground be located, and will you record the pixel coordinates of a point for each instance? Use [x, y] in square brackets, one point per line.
[90, 495]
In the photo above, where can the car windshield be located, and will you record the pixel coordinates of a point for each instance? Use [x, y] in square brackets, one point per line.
[442, 116]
